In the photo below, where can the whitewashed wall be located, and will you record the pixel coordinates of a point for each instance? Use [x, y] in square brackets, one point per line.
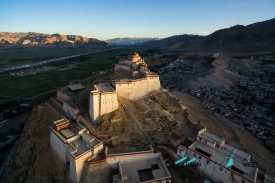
[102, 103]
[98, 150]
[76, 166]
[71, 111]
[138, 88]
[58, 146]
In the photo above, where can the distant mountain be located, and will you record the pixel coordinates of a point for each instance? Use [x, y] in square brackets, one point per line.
[130, 41]
[259, 35]
[32, 39]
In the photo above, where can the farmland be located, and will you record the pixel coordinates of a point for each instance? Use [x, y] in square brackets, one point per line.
[32, 85]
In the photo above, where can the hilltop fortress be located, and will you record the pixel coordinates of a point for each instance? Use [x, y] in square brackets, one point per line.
[103, 99]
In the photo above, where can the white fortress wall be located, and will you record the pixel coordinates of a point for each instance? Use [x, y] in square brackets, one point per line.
[141, 88]
[102, 103]
[67, 108]
[94, 105]
[138, 88]
[108, 102]
[98, 149]
[58, 146]
[77, 164]
[124, 88]
[113, 159]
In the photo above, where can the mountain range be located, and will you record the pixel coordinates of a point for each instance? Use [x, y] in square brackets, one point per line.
[260, 35]
[10, 39]
[130, 41]
[256, 36]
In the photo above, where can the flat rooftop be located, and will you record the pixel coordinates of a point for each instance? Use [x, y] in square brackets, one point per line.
[103, 87]
[67, 133]
[76, 87]
[222, 155]
[80, 146]
[144, 170]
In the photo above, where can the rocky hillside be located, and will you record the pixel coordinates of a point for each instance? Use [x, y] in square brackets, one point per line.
[259, 35]
[9, 39]
[34, 159]
[130, 41]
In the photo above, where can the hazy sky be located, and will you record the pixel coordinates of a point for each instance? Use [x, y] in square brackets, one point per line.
[104, 19]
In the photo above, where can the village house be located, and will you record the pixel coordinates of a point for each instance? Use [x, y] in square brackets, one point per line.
[219, 160]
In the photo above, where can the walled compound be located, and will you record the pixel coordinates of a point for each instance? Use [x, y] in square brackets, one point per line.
[103, 99]
[75, 147]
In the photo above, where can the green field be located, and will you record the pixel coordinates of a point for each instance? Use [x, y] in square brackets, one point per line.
[32, 85]
[13, 57]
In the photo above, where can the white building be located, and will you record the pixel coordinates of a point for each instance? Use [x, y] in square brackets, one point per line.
[74, 145]
[136, 88]
[71, 108]
[140, 166]
[103, 100]
[214, 158]
[149, 169]
[143, 83]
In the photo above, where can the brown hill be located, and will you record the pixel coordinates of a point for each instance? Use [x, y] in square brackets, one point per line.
[259, 35]
[9, 39]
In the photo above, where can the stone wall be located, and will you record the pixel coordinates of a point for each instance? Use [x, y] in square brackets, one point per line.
[62, 96]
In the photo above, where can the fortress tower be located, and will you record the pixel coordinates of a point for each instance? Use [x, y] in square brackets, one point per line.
[103, 99]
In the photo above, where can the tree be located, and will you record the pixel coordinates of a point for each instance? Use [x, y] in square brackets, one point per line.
[12, 131]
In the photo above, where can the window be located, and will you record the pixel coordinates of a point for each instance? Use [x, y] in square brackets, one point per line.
[194, 154]
[199, 157]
